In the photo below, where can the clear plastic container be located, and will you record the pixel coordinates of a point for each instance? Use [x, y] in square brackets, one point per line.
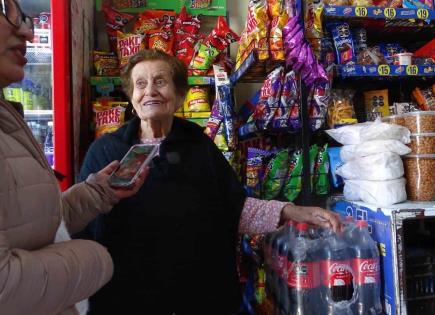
[419, 176]
[395, 119]
[420, 122]
[422, 143]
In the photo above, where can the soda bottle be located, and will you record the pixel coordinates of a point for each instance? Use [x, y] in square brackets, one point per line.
[365, 267]
[48, 144]
[284, 246]
[303, 275]
[335, 269]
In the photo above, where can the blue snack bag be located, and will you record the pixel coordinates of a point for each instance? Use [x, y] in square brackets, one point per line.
[343, 43]
[334, 163]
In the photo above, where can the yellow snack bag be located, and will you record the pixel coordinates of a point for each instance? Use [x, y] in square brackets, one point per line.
[128, 45]
[109, 116]
[197, 100]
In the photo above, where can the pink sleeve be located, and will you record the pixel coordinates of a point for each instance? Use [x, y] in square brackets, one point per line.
[260, 216]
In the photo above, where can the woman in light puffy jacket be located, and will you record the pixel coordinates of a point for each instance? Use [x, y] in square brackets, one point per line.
[38, 277]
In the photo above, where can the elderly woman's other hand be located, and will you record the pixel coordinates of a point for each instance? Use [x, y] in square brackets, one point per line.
[314, 215]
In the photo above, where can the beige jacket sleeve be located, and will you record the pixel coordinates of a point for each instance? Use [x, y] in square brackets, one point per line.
[84, 201]
[49, 280]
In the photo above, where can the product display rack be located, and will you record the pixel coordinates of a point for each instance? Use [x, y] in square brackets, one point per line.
[378, 13]
[385, 70]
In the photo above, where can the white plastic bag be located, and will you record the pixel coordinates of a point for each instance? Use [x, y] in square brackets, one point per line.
[382, 166]
[358, 133]
[379, 193]
[353, 151]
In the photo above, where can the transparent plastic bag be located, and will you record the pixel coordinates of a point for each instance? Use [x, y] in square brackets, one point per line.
[354, 151]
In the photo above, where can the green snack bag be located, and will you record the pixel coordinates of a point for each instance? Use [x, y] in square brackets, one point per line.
[293, 182]
[276, 174]
[321, 182]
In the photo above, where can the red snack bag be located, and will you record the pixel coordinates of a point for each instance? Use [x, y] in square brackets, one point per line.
[186, 23]
[153, 20]
[185, 49]
[161, 40]
[221, 36]
[128, 45]
[115, 21]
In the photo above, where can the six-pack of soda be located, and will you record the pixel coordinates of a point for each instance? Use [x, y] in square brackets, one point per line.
[310, 271]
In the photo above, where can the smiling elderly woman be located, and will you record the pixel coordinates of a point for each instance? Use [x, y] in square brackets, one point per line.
[173, 243]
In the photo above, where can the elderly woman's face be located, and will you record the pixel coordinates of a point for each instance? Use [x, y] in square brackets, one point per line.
[12, 51]
[154, 94]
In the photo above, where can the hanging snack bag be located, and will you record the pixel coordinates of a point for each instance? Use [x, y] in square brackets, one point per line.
[376, 103]
[279, 19]
[154, 20]
[219, 39]
[196, 103]
[293, 184]
[115, 21]
[343, 42]
[289, 101]
[109, 116]
[219, 139]
[318, 100]
[215, 120]
[186, 28]
[321, 171]
[255, 171]
[129, 45]
[105, 63]
[161, 40]
[275, 175]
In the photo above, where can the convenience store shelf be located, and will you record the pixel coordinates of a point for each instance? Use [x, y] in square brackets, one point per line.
[385, 71]
[193, 80]
[378, 13]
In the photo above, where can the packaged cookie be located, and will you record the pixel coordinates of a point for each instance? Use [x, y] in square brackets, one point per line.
[343, 43]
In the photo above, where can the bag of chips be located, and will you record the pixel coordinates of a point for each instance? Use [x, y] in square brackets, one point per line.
[196, 104]
[115, 21]
[105, 63]
[128, 46]
[109, 116]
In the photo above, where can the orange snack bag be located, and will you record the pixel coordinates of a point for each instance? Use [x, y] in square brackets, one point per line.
[162, 40]
[153, 20]
[129, 45]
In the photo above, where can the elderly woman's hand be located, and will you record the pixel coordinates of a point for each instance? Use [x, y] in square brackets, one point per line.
[124, 192]
[314, 215]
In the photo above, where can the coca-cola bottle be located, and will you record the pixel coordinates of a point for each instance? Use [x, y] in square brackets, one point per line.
[267, 251]
[303, 275]
[335, 269]
[365, 267]
[285, 244]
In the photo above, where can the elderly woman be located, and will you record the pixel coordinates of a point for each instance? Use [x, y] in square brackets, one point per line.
[174, 242]
[36, 276]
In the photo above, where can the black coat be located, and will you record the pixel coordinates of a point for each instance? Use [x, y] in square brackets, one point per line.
[173, 243]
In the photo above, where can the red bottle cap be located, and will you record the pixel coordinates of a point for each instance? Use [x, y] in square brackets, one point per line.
[302, 226]
[362, 223]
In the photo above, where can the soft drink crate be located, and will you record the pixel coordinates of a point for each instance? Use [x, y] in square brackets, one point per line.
[405, 234]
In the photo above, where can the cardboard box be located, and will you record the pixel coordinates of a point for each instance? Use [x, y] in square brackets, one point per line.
[386, 226]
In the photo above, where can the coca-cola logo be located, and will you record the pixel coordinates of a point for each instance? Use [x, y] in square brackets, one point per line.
[338, 268]
[368, 266]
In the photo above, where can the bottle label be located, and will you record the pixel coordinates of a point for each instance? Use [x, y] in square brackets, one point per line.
[336, 273]
[303, 275]
[366, 271]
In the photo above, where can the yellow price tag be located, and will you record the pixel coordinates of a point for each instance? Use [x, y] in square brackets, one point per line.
[384, 70]
[422, 14]
[412, 70]
[361, 11]
[390, 13]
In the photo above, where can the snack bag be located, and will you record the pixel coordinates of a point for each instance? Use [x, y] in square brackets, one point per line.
[109, 116]
[186, 28]
[425, 98]
[196, 103]
[279, 17]
[293, 183]
[255, 171]
[321, 171]
[128, 45]
[161, 40]
[115, 21]
[105, 63]
[154, 20]
[377, 102]
[215, 120]
[275, 175]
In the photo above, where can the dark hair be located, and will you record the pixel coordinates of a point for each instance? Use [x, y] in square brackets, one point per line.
[179, 70]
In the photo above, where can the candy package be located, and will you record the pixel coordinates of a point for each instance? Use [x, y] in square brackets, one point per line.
[376, 102]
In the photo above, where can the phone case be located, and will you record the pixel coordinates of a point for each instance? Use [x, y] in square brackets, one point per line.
[137, 157]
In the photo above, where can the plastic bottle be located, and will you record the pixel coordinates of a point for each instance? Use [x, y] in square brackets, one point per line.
[335, 269]
[365, 267]
[303, 275]
[48, 144]
[284, 247]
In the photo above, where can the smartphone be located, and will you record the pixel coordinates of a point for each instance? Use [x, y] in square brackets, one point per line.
[131, 164]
